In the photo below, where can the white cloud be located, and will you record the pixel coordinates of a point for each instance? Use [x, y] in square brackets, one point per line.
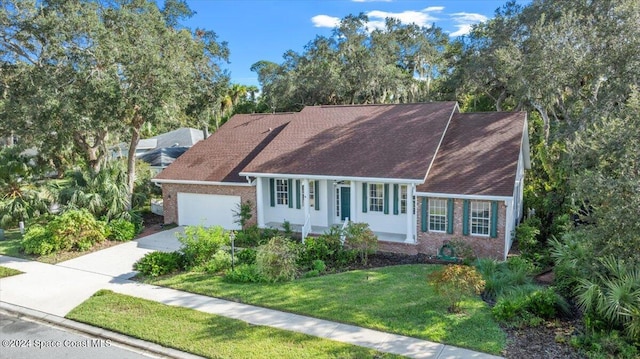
[325, 21]
[421, 18]
[464, 21]
[433, 9]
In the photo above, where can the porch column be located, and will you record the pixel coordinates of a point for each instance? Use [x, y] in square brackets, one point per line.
[352, 200]
[306, 203]
[259, 202]
[411, 223]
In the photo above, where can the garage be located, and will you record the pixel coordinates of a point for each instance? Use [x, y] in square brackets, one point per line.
[207, 209]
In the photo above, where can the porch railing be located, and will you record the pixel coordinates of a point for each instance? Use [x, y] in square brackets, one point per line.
[306, 229]
[343, 235]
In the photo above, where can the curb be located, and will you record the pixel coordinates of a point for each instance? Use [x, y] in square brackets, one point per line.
[144, 346]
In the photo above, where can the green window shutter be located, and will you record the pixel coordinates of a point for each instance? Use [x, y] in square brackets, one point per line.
[494, 219]
[298, 194]
[290, 192]
[364, 197]
[386, 199]
[450, 216]
[465, 217]
[272, 191]
[396, 200]
[423, 214]
[316, 188]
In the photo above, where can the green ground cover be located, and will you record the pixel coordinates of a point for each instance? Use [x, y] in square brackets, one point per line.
[206, 334]
[394, 299]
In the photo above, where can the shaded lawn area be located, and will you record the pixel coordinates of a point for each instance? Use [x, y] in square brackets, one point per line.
[206, 334]
[7, 272]
[395, 299]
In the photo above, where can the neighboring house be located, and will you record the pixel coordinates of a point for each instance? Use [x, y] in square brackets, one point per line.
[182, 137]
[419, 174]
[160, 158]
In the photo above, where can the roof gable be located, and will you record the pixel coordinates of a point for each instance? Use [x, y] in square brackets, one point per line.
[220, 157]
[370, 141]
[479, 155]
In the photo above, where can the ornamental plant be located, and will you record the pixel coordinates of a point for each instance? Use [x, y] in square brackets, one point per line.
[455, 282]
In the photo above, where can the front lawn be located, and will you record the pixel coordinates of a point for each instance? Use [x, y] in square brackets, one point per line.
[394, 299]
[7, 272]
[206, 334]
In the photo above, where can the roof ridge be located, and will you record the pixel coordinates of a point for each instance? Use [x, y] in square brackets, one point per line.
[380, 104]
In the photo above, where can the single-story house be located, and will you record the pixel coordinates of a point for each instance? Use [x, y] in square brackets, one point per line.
[418, 174]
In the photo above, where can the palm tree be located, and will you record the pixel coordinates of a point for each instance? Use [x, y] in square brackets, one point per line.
[22, 197]
[102, 193]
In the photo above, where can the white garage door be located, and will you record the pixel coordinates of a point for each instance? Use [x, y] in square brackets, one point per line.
[207, 209]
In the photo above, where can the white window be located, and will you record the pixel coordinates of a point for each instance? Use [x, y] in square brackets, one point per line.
[480, 218]
[437, 215]
[376, 197]
[282, 192]
[312, 194]
[403, 199]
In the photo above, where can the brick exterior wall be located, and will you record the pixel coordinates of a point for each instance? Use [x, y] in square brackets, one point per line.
[430, 242]
[170, 197]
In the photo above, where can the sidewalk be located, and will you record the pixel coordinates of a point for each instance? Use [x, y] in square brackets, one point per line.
[56, 289]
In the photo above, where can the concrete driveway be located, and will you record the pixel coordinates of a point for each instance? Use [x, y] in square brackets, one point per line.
[56, 289]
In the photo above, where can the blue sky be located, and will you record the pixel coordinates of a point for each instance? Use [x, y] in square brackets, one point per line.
[265, 29]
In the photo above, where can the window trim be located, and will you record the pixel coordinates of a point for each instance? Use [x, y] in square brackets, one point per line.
[441, 204]
[486, 207]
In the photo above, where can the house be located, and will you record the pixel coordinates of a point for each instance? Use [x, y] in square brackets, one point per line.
[182, 137]
[159, 158]
[419, 174]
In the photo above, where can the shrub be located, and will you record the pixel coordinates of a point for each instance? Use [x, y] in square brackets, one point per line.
[504, 277]
[323, 248]
[529, 305]
[463, 250]
[318, 265]
[248, 237]
[121, 230]
[613, 296]
[37, 240]
[243, 273]
[310, 274]
[200, 244]
[159, 263]
[246, 256]
[362, 239]
[220, 262]
[72, 230]
[276, 260]
[242, 214]
[454, 282]
[606, 344]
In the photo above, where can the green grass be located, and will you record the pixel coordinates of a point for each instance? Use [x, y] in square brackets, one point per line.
[10, 246]
[7, 272]
[394, 299]
[206, 334]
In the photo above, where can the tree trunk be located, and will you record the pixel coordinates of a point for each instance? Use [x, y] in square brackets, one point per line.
[136, 125]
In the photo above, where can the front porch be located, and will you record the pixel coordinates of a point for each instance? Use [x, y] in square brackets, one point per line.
[318, 230]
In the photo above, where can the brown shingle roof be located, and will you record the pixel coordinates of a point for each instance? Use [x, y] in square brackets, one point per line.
[220, 157]
[379, 141]
[479, 155]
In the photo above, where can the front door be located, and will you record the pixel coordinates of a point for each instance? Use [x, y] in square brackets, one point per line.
[345, 203]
